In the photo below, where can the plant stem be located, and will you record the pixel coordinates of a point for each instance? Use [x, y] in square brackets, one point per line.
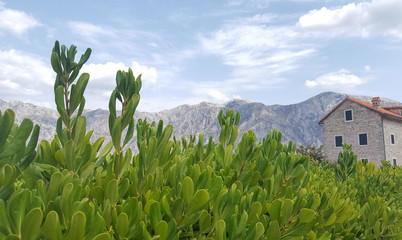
[124, 108]
[181, 220]
[280, 189]
[118, 163]
[67, 107]
[211, 233]
[287, 225]
[141, 185]
[241, 170]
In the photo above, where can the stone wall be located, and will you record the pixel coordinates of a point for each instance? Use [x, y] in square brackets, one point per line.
[393, 151]
[364, 120]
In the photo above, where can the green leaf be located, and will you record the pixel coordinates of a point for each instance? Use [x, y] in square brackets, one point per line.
[255, 211]
[53, 188]
[79, 91]
[201, 197]
[162, 230]
[12, 237]
[116, 133]
[81, 108]
[102, 236]
[122, 225]
[79, 130]
[298, 172]
[59, 98]
[130, 110]
[33, 140]
[51, 227]
[55, 62]
[17, 144]
[259, 230]
[306, 215]
[30, 226]
[275, 209]
[177, 208]
[98, 193]
[69, 156]
[204, 221]
[4, 224]
[16, 206]
[84, 58]
[130, 132]
[155, 213]
[286, 211]
[86, 170]
[188, 189]
[106, 150]
[220, 230]
[77, 227]
[299, 230]
[6, 123]
[112, 190]
[273, 232]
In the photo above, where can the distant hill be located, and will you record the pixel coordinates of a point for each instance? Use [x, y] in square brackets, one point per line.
[297, 122]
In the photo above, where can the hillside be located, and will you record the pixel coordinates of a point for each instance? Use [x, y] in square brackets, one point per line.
[297, 122]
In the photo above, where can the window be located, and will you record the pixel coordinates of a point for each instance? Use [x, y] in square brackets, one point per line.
[365, 161]
[392, 139]
[394, 160]
[338, 141]
[363, 139]
[348, 115]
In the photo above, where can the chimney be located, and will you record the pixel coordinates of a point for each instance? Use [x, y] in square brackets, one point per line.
[376, 101]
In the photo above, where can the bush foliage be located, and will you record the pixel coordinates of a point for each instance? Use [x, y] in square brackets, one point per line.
[188, 188]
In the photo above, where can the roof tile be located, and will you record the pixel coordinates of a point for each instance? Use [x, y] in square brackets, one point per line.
[381, 110]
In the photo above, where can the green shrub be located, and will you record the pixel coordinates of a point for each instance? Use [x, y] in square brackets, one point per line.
[73, 188]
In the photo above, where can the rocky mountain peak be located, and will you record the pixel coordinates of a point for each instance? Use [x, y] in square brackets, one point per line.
[297, 122]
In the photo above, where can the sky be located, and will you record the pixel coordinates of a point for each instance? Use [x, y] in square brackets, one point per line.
[268, 51]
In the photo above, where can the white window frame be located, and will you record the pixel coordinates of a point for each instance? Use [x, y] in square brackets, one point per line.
[335, 141]
[358, 139]
[394, 162]
[344, 115]
[391, 139]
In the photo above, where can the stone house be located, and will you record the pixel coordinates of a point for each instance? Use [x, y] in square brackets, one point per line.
[375, 132]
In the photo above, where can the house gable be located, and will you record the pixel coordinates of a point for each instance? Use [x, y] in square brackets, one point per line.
[363, 131]
[368, 127]
[391, 112]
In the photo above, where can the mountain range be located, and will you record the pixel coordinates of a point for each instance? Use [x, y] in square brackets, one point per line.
[297, 122]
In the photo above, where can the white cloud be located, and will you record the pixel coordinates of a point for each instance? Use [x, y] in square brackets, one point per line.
[153, 44]
[249, 3]
[103, 80]
[90, 32]
[365, 19]
[105, 74]
[258, 52]
[341, 79]
[25, 76]
[217, 95]
[259, 19]
[255, 45]
[16, 22]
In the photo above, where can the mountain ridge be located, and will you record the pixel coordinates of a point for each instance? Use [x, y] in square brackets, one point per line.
[297, 122]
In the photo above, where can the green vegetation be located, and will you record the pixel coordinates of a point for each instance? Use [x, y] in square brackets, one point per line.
[73, 188]
[316, 154]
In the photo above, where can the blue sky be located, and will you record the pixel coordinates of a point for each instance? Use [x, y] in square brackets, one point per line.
[269, 51]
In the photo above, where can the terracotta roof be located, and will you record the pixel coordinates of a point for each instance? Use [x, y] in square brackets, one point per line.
[394, 107]
[382, 110]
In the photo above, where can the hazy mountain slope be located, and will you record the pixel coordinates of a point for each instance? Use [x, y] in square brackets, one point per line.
[297, 122]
